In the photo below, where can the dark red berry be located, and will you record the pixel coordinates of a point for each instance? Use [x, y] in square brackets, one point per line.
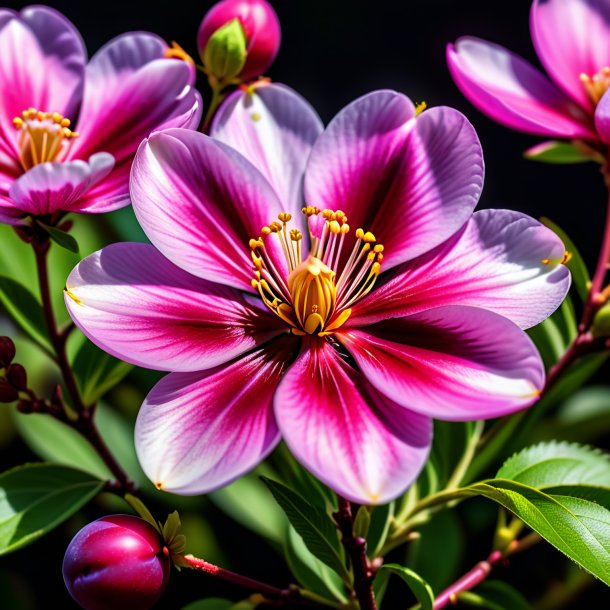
[7, 351]
[116, 563]
[17, 376]
[7, 392]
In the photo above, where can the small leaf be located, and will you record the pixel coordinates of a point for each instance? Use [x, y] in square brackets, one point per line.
[420, 588]
[503, 595]
[379, 527]
[24, 308]
[557, 152]
[61, 238]
[142, 511]
[557, 463]
[313, 525]
[97, 372]
[35, 498]
[576, 264]
[362, 522]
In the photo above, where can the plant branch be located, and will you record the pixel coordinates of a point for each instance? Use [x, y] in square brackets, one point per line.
[356, 549]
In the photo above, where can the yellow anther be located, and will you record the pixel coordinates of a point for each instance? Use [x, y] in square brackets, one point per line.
[378, 248]
[254, 284]
[334, 227]
[255, 243]
[296, 235]
[371, 256]
[310, 210]
[567, 255]
[276, 227]
[379, 257]
[327, 214]
[18, 122]
[368, 237]
[285, 217]
[359, 233]
[419, 108]
[177, 52]
[265, 231]
[376, 268]
[344, 228]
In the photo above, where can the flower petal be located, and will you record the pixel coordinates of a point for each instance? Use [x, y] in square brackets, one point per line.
[358, 442]
[455, 363]
[133, 303]
[412, 182]
[511, 91]
[501, 260]
[572, 37]
[48, 187]
[200, 202]
[131, 89]
[9, 214]
[602, 118]
[274, 128]
[199, 431]
[42, 63]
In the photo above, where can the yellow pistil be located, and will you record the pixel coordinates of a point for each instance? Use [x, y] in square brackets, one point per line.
[43, 136]
[312, 298]
[177, 52]
[420, 107]
[596, 85]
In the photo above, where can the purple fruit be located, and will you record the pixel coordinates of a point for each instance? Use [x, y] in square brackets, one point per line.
[118, 562]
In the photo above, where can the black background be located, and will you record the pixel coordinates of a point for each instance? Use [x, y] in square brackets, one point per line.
[332, 52]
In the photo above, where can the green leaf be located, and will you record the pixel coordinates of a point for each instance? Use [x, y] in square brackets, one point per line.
[211, 603]
[551, 464]
[309, 571]
[25, 309]
[503, 595]
[576, 264]
[578, 528]
[225, 52]
[362, 522]
[313, 525]
[420, 588]
[249, 503]
[57, 442]
[97, 372]
[61, 238]
[556, 152]
[381, 518]
[35, 498]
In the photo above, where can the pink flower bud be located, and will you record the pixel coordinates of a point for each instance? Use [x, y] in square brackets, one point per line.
[118, 563]
[261, 28]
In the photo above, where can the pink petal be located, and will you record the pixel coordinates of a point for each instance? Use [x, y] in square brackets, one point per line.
[274, 128]
[131, 89]
[455, 363]
[602, 118]
[9, 214]
[197, 432]
[501, 260]
[48, 187]
[412, 182]
[357, 441]
[42, 62]
[200, 202]
[133, 303]
[572, 37]
[511, 91]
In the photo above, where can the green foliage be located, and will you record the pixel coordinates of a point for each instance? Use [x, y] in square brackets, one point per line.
[97, 372]
[313, 524]
[420, 588]
[35, 498]
[495, 595]
[562, 153]
[381, 517]
[61, 238]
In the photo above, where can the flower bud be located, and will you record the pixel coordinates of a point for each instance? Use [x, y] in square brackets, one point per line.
[225, 54]
[260, 27]
[7, 392]
[118, 562]
[7, 351]
[601, 322]
[17, 376]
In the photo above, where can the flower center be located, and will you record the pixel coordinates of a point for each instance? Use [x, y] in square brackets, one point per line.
[43, 136]
[314, 298]
[596, 85]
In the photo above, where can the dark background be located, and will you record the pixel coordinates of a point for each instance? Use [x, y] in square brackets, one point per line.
[332, 52]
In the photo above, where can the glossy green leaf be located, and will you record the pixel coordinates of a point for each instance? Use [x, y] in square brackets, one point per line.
[420, 588]
[576, 263]
[504, 595]
[578, 528]
[25, 309]
[381, 517]
[309, 571]
[35, 498]
[97, 372]
[551, 464]
[56, 442]
[313, 524]
[61, 238]
[247, 500]
[562, 153]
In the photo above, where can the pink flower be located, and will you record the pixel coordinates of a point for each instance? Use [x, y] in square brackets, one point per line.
[572, 40]
[261, 29]
[343, 330]
[130, 87]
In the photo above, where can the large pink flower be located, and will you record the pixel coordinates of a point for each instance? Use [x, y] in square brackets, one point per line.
[132, 86]
[572, 39]
[277, 320]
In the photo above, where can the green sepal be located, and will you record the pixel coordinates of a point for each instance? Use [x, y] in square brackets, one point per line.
[225, 53]
[562, 153]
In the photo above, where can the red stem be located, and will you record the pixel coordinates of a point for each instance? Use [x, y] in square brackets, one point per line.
[356, 549]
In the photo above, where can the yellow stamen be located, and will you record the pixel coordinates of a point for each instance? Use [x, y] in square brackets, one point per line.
[420, 107]
[177, 52]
